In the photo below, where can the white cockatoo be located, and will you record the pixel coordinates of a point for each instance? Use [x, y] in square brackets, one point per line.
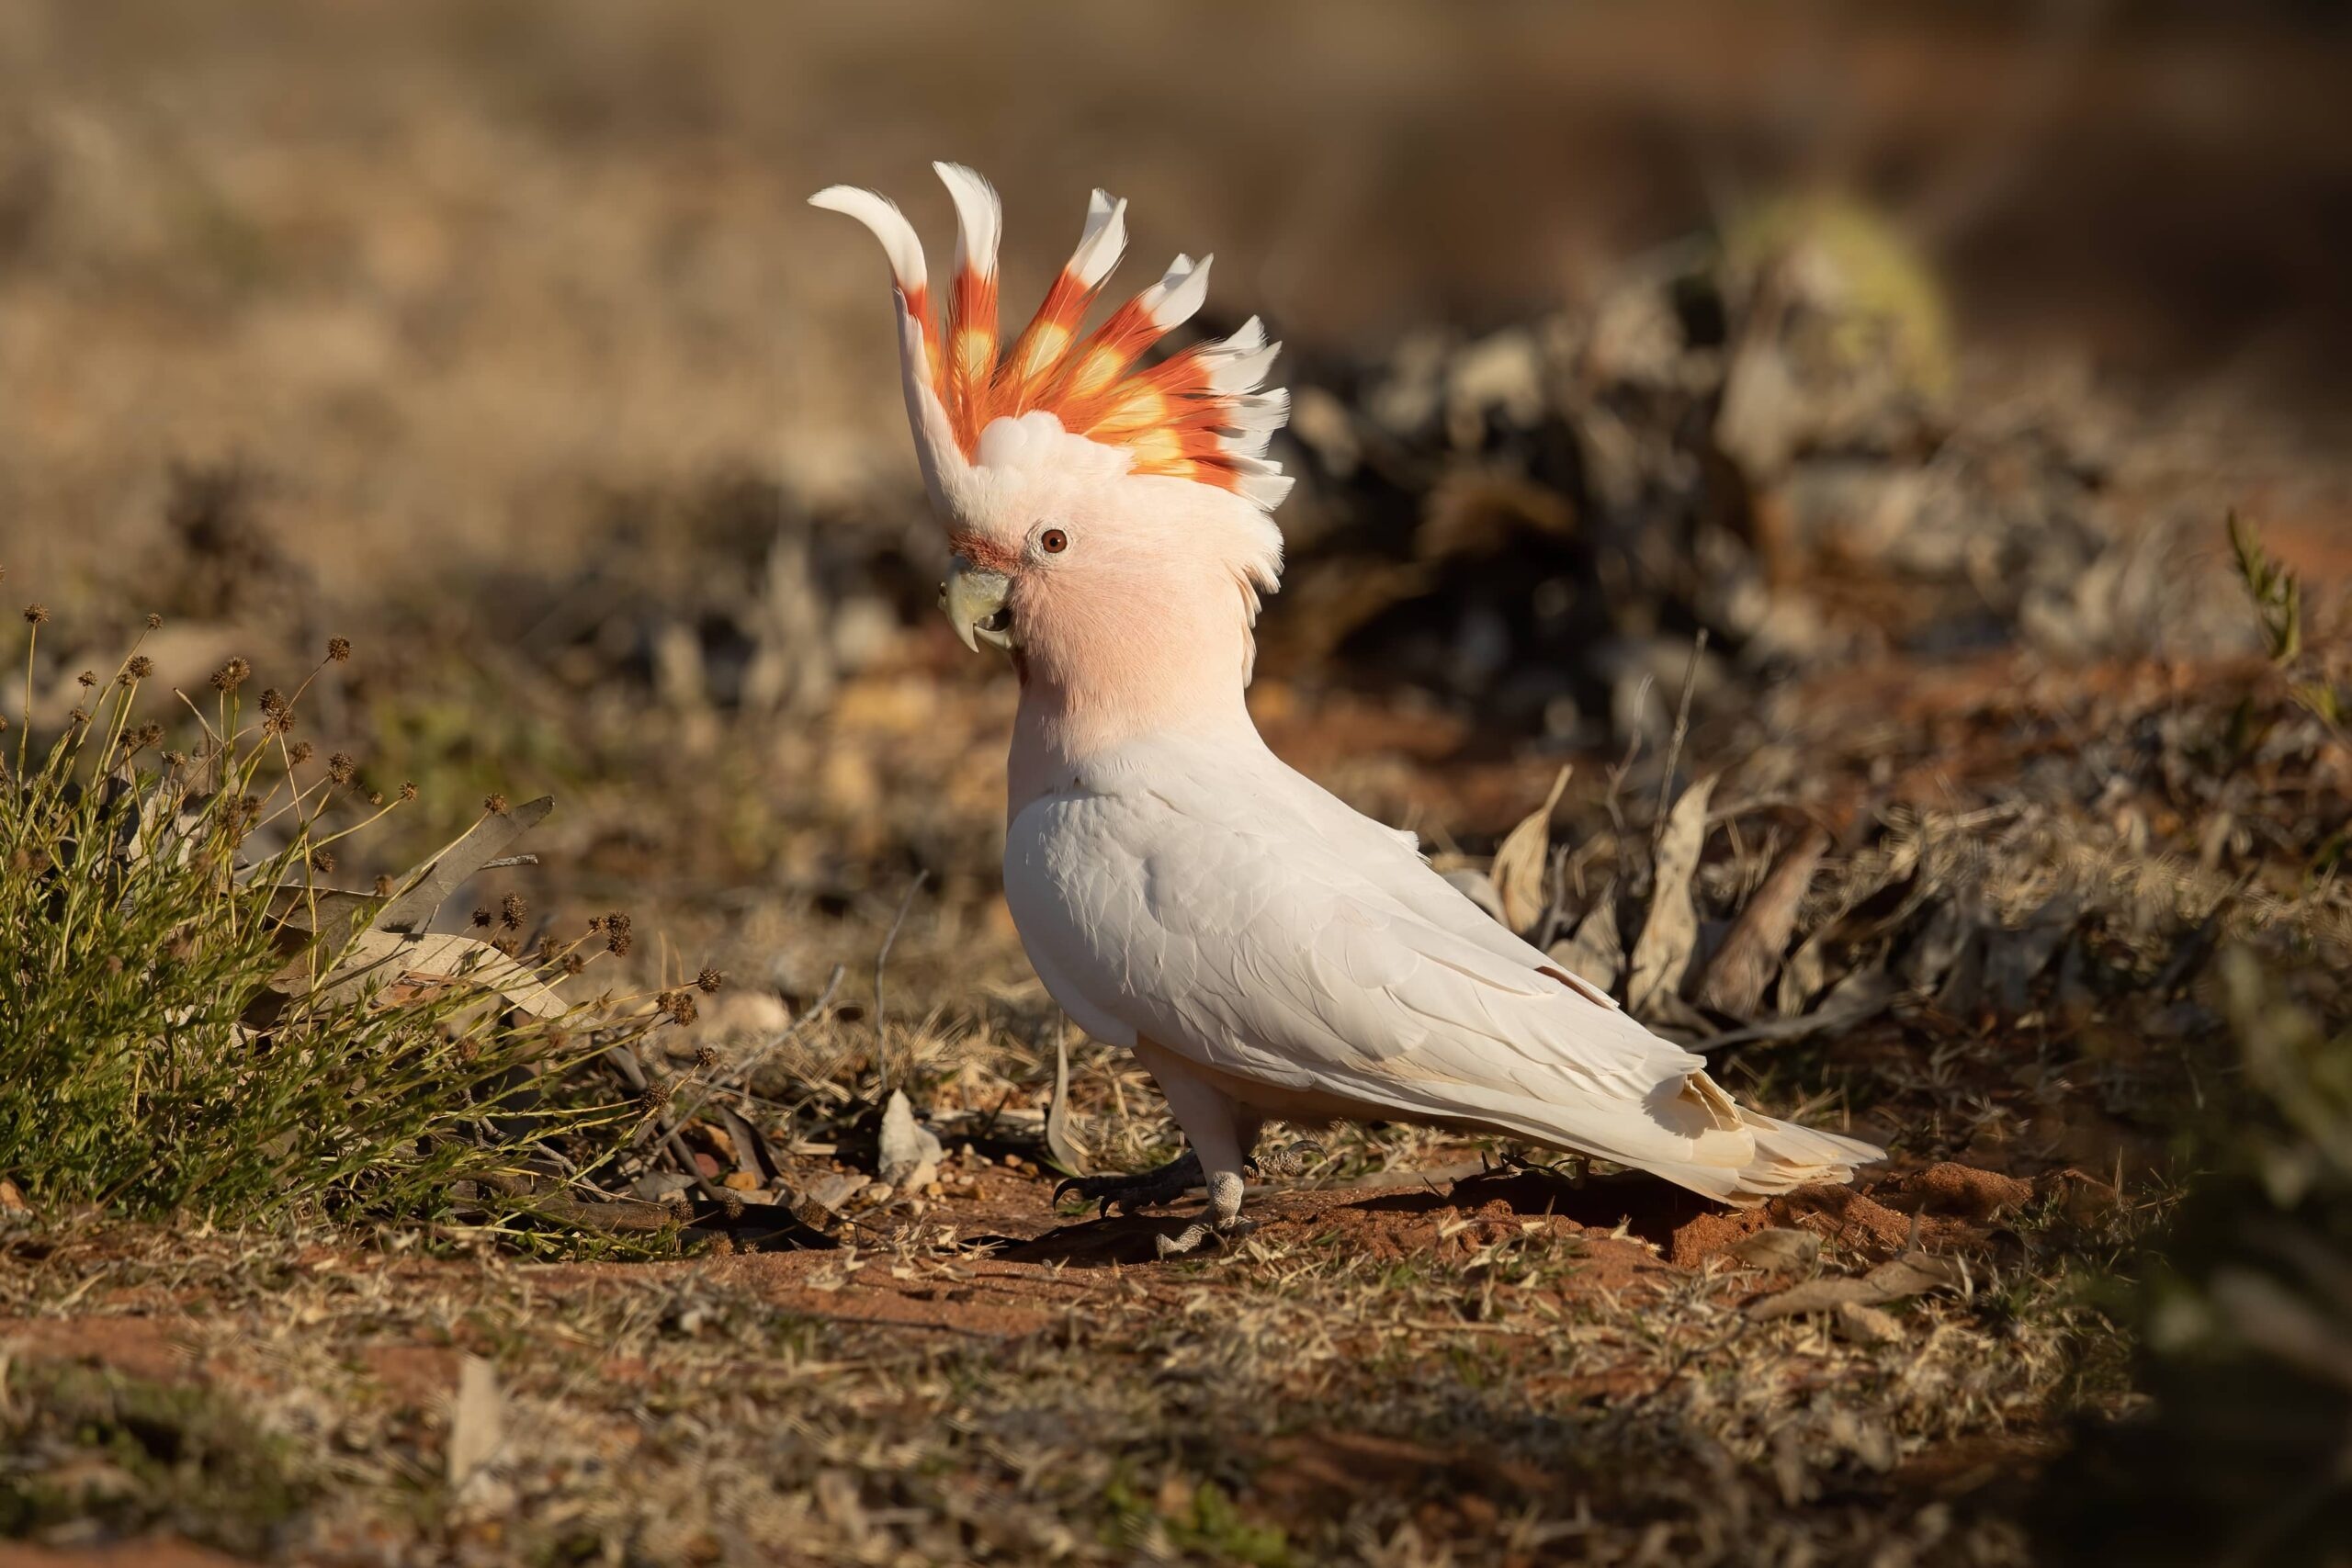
[1264, 951]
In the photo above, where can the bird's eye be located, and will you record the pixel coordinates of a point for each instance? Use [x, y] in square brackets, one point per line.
[1053, 541]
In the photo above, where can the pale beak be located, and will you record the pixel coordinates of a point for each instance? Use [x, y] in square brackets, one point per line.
[974, 600]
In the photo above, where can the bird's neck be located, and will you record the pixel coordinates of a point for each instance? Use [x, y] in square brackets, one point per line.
[1089, 689]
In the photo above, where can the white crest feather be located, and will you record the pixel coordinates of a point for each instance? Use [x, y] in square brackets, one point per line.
[979, 218]
[1171, 301]
[1105, 237]
[889, 225]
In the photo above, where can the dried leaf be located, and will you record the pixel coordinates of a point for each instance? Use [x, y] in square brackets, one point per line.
[1866, 1325]
[321, 912]
[1594, 954]
[378, 958]
[426, 888]
[1751, 950]
[1937, 947]
[1068, 1155]
[1670, 930]
[754, 1158]
[1478, 888]
[1778, 1248]
[1520, 864]
[1861, 996]
[2014, 960]
[478, 1420]
[910, 1151]
[1913, 1273]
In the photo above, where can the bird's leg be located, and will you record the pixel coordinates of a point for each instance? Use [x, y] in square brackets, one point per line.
[1224, 1222]
[1140, 1190]
[1221, 1134]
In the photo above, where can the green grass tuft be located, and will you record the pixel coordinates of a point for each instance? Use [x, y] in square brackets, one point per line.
[186, 1026]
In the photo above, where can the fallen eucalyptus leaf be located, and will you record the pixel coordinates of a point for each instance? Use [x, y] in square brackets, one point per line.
[1778, 1248]
[1479, 888]
[1670, 930]
[1068, 1155]
[426, 888]
[1913, 1273]
[1594, 954]
[1751, 950]
[1518, 865]
[391, 958]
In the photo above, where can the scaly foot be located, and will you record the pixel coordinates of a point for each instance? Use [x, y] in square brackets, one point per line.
[1223, 1224]
[1291, 1161]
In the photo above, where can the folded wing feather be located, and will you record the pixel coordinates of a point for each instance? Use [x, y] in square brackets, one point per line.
[1231, 910]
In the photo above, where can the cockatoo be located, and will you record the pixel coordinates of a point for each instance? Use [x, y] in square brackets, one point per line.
[1264, 951]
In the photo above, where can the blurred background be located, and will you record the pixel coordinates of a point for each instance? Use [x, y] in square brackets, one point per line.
[497, 337]
[1833, 406]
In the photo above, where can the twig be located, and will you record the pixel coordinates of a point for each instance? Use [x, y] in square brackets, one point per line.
[881, 962]
[1674, 742]
[721, 1082]
[625, 1058]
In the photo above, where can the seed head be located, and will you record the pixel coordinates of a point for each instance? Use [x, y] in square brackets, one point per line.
[481, 917]
[140, 667]
[341, 768]
[322, 861]
[617, 935]
[155, 622]
[87, 678]
[494, 803]
[339, 649]
[657, 1094]
[408, 792]
[79, 716]
[232, 675]
[280, 723]
[383, 886]
[510, 910]
[272, 700]
[299, 752]
[37, 614]
[705, 1056]
[574, 963]
[710, 980]
[680, 1005]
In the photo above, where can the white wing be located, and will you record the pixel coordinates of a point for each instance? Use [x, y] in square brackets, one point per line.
[1213, 900]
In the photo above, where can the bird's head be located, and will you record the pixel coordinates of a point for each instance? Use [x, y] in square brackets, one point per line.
[1109, 522]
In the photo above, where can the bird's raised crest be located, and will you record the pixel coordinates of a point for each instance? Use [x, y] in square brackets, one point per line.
[1201, 413]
